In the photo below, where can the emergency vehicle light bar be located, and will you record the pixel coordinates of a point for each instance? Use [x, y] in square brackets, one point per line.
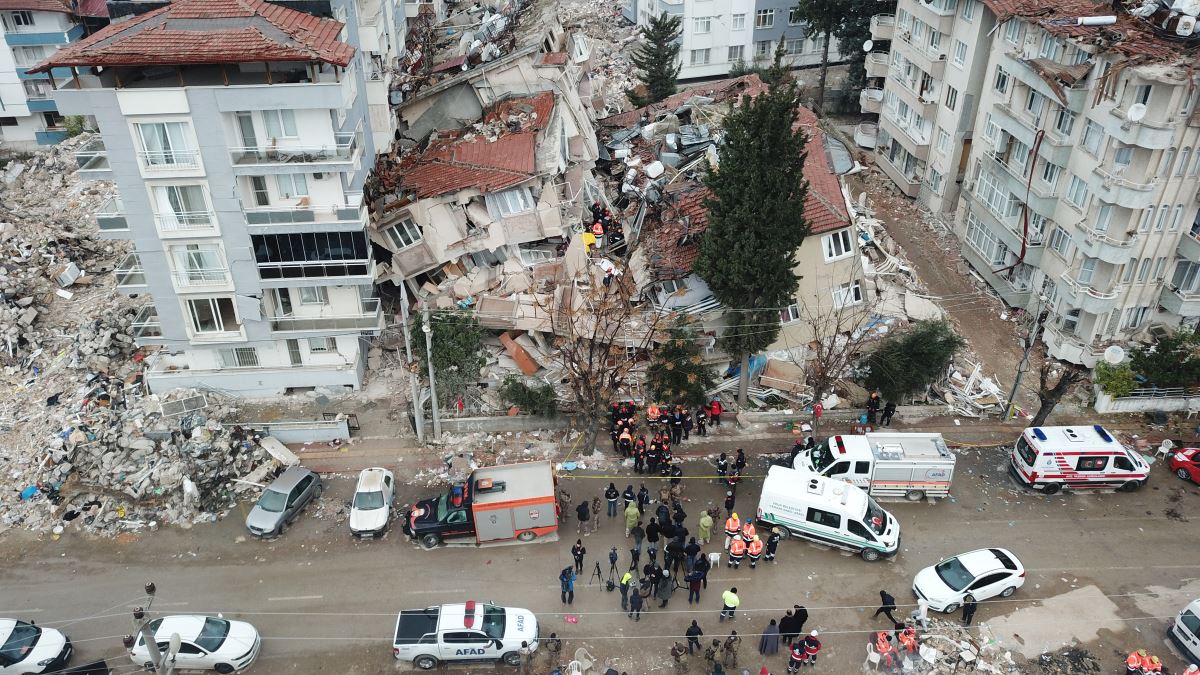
[1103, 434]
[840, 445]
[1039, 434]
[469, 614]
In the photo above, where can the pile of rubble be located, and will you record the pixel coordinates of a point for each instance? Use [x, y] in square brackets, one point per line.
[612, 40]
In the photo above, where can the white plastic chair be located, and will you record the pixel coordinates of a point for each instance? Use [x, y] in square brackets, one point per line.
[1164, 449]
[714, 559]
[873, 658]
[574, 668]
[584, 659]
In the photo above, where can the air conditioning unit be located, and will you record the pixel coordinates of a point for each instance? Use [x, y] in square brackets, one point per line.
[941, 56]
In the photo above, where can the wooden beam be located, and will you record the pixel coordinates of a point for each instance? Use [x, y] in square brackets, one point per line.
[268, 65]
[224, 75]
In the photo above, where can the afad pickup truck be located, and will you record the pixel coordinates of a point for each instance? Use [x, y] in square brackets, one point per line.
[890, 464]
[496, 503]
[474, 631]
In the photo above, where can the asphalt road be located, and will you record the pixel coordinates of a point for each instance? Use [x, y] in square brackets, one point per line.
[1105, 570]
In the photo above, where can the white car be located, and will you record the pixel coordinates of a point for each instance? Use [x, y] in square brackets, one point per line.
[1185, 631]
[982, 574]
[29, 648]
[205, 643]
[372, 505]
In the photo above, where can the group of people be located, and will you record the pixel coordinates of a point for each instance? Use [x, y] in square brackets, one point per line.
[668, 426]
[605, 227]
[875, 405]
[742, 540]
[1140, 663]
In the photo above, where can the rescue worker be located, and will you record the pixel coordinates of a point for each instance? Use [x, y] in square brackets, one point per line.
[748, 530]
[737, 550]
[653, 453]
[732, 526]
[639, 455]
[652, 416]
[706, 523]
[598, 233]
[908, 638]
[773, 543]
[611, 495]
[883, 642]
[714, 412]
[625, 442]
[754, 550]
[1133, 662]
[701, 422]
[629, 495]
[811, 647]
[1154, 665]
[795, 656]
[722, 468]
[626, 582]
[733, 478]
[729, 502]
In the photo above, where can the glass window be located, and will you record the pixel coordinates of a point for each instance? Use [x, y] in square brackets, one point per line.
[737, 53]
[951, 97]
[1130, 268]
[960, 53]
[1144, 270]
[1012, 31]
[181, 207]
[1050, 174]
[700, 56]
[1177, 219]
[1001, 82]
[1160, 268]
[1093, 136]
[403, 234]
[793, 46]
[1060, 241]
[1064, 121]
[934, 178]
[847, 294]
[1161, 223]
[826, 518]
[943, 141]
[510, 202]
[1122, 155]
[213, 315]
[1087, 270]
[794, 17]
[701, 24]
[837, 244]
[762, 48]
[789, 314]
[1034, 103]
[313, 295]
[280, 123]
[292, 185]
[238, 357]
[29, 56]
[764, 18]
[1077, 192]
[1141, 94]
[969, 8]
[1184, 158]
[320, 345]
[1087, 463]
[739, 22]
[165, 143]
[1168, 161]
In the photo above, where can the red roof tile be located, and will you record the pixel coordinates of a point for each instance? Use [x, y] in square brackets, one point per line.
[539, 108]
[1135, 37]
[721, 90]
[554, 59]
[37, 6]
[824, 205]
[207, 32]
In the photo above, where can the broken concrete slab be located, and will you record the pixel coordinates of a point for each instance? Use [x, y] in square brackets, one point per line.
[524, 361]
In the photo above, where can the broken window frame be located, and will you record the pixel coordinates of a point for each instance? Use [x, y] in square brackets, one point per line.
[789, 314]
[396, 234]
[847, 294]
[218, 311]
[510, 202]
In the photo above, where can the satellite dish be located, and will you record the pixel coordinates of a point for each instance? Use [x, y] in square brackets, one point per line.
[1114, 355]
[1137, 111]
[868, 46]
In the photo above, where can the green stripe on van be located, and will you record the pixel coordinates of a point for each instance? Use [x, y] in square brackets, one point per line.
[859, 543]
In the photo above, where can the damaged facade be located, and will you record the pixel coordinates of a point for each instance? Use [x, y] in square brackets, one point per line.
[1080, 167]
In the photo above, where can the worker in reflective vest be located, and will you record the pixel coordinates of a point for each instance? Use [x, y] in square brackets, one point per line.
[883, 642]
[732, 526]
[754, 549]
[811, 646]
[748, 530]
[796, 657]
[737, 550]
[1154, 666]
[1133, 663]
[908, 638]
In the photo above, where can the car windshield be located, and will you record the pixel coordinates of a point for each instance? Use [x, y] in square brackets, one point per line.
[1191, 622]
[493, 621]
[368, 501]
[953, 574]
[272, 501]
[821, 457]
[1026, 451]
[876, 517]
[213, 634]
[441, 507]
[19, 643]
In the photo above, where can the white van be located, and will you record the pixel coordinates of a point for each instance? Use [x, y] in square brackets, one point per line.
[827, 511]
[1079, 458]
[1185, 631]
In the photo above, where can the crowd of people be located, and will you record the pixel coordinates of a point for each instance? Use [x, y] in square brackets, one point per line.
[667, 426]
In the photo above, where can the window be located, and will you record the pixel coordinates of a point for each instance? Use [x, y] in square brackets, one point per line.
[1093, 136]
[762, 48]
[1177, 219]
[794, 17]
[36, 89]
[1034, 103]
[794, 46]
[280, 123]
[1160, 268]
[181, 207]
[737, 53]
[739, 22]
[1050, 174]
[292, 185]
[1144, 270]
[8, 121]
[837, 245]
[313, 295]
[969, 7]
[951, 97]
[960, 53]
[935, 42]
[198, 264]
[1195, 164]
[1103, 218]
[764, 18]
[403, 234]
[509, 202]
[1130, 268]
[320, 345]
[1060, 241]
[1135, 317]
[1012, 31]
[1050, 47]
[1001, 82]
[1070, 321]
[28, 56]
[1168, 160]
[165, 144]
[825, 518]
[934, 178]
[789, 314]
[991, 130]
[1141, 94]
[1147, 216]
[1077, 192]
[1064, 121]
[1122, 155]
[238, 357]
[1161, 223]
[699, 58]
[859, 530]
[701, 25]
[213, 315]
[847, 294]
[1184, 157]
[14, 21]
[943, 141]
[1087, 270]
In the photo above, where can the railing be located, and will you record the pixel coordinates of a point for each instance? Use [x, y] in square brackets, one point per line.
[367, 318]
[286, 215]
[129, 272]
[1161, 392]
[1089, 290]
[185, 221]
[907, 127]
[146, 323]
[111, 216]
[1116, 179]
[168, 160]
[879, 58]
[192, 278]
[343, 150]
[92, 157]
[1102, 238]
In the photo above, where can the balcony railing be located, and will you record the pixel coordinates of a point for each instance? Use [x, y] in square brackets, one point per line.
[185, 221]
[367, 318]
[200, 278]
[287, 215]
[129, 272]
[146, 324]
[315, 269]
[343, 150]
[169, 160]
[111, 216]
[1087, 289]
[93, 156]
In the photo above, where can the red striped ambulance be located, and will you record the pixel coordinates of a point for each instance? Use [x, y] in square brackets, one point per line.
[1076, 458]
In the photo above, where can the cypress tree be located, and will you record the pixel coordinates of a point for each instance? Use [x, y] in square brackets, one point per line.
[658, 59]
[677, 373]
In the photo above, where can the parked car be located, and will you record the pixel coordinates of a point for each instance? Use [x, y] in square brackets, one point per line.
[471, 631]
[372, 505]
[983, 574]
[1185, 631]
[1185, 463]
[26, 647]
[282, 501]
[205, 643]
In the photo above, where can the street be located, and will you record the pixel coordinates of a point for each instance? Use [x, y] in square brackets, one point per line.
[1106, 571]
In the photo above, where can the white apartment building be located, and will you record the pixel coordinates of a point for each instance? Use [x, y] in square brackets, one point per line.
[239, 140]
[31, 30]
[1080, 164]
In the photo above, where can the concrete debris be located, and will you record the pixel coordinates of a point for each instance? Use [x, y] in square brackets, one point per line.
[612, 40]
[970, 394]
[949, 647]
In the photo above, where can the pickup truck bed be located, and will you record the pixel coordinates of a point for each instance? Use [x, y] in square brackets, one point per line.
[414, 624]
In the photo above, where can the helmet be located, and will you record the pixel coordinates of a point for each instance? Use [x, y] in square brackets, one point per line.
[729, 493]
[776, 530]
[813, 634]
[736, 517]
[1141, 652]
[756, 537]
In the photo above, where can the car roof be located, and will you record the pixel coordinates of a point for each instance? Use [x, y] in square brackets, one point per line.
[187, 625]
[371, 480]
[984, 560]
[6, 626]
[288, 479]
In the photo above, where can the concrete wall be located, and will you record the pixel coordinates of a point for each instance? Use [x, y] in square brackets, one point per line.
[1137, 404]
[818, 279]
[461, 425]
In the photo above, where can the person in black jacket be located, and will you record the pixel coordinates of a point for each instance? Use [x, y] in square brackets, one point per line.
[612, 494]
[629, 495]
[691, 551]
[583, 514]
[577, 552]
[693, 634]
[652, 533]
[773, 543]
[887, 605]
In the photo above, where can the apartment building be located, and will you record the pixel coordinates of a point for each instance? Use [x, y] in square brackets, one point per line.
[32, 30]
[1080, 161]
[239, 139]
[717, 34]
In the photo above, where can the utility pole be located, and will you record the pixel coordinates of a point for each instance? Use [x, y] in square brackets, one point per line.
[415, 400]
[1009, 412]
[162, 664]
[433, 399]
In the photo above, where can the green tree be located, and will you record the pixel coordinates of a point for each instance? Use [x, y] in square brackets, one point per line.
[823, 18]
[908, 362]
[1115, 380]
[677, 373]
[1174, 361]
[658, 59]
[851, 33]
[537, 399]
[457, 357]
[755, 221]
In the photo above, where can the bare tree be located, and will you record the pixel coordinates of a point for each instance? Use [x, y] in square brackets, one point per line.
[1056, 379]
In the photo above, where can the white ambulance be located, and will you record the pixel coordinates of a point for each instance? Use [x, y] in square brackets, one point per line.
[1077, 458]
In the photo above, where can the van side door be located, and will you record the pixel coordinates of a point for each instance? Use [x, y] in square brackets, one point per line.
[462, 645]
[857, 529]
[824, 526]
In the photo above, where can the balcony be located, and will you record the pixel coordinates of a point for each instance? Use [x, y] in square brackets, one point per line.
[92, 160]
[197, 279]
[368, 318]
[1100, 245]
[1091, 298]
[300, 158]
[1179, 302]
[186, 223]
[111, 218]
[1022, 127]
[169, 161]
[146, 326]
[1015, 293]
[870, 100]
[1113, 188]
[908, 184]
[352, 214]
[1189, 245]
[1069, 347]
[877, 64]
[35, 35]
[923, 102]
[129, 273]
[1145, 133]
[883, 26]
[932, 61]
[915, 143]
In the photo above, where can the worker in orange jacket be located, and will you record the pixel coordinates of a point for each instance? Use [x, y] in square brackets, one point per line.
[1133, 663]
[749, 532]
[732, 526]
[737, 550]
[1153, 666]
[908, 638]
[754, 549]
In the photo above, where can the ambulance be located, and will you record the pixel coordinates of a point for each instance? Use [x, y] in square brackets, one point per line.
[1076, 458]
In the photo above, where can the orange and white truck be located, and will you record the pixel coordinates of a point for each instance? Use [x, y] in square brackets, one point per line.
[495, 503]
